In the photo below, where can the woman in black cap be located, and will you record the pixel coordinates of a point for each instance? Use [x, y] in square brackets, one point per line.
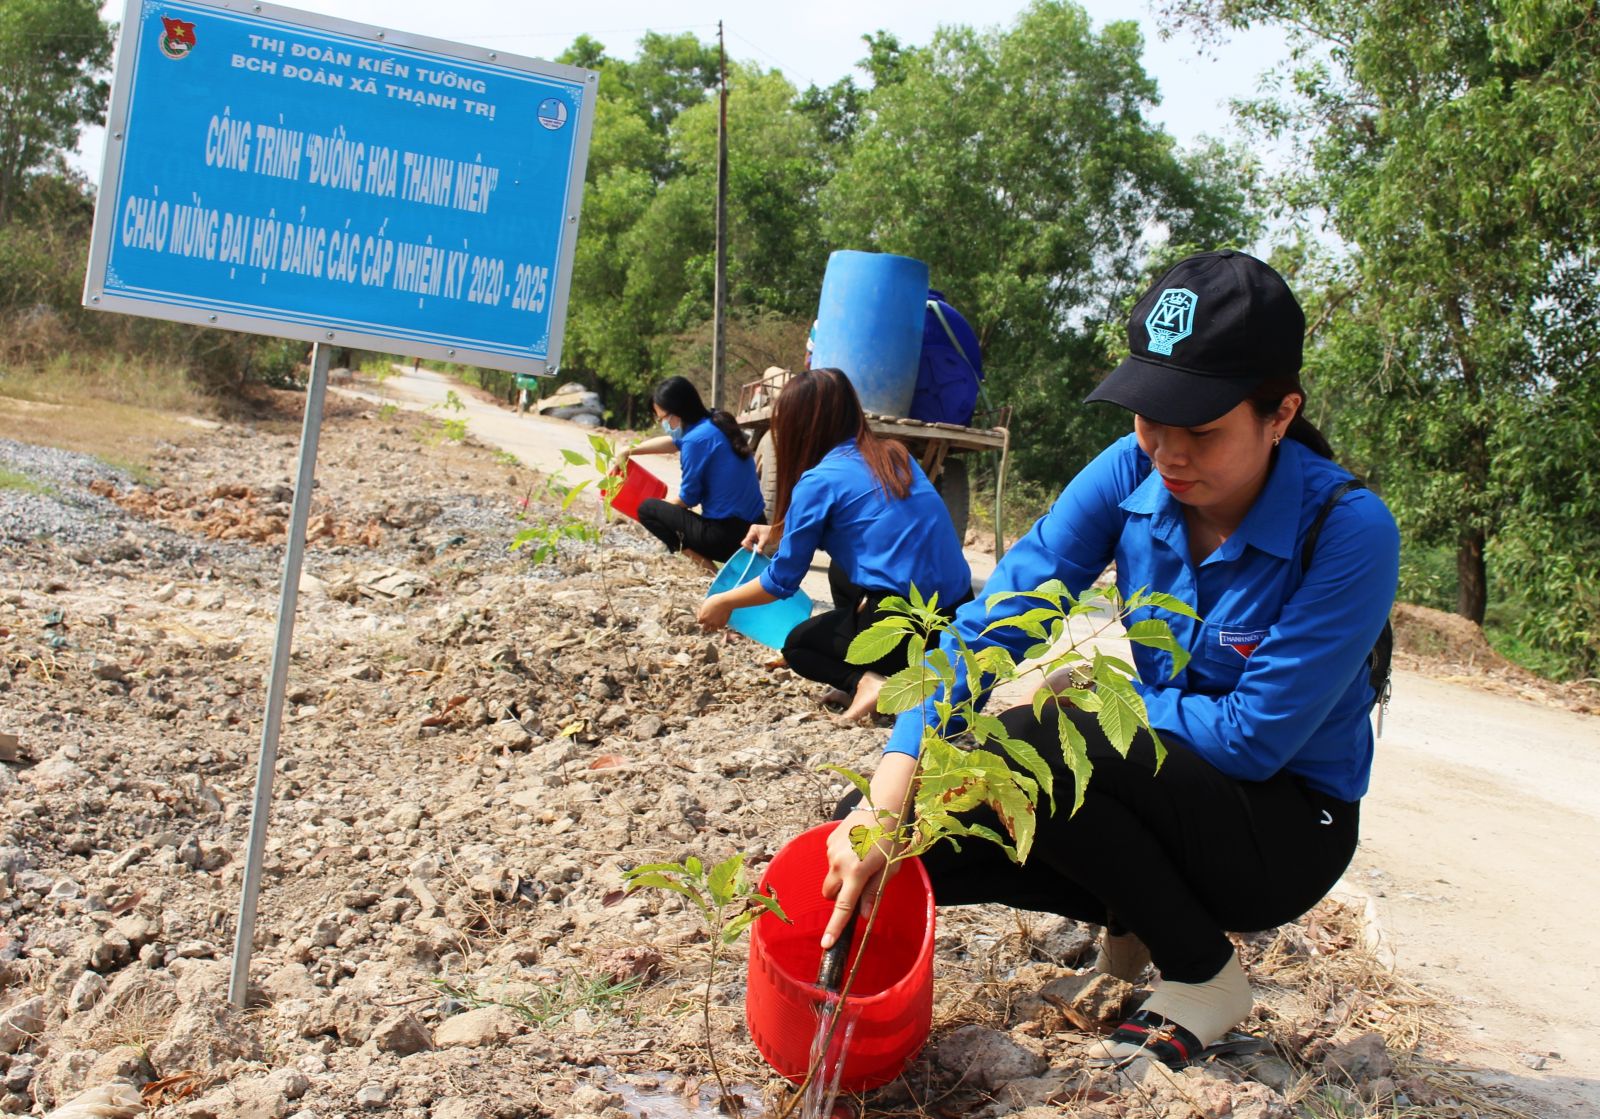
[1253, 816]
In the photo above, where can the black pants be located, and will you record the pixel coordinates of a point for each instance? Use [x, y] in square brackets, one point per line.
[679, 528]
[1176, 857]
[816, 647]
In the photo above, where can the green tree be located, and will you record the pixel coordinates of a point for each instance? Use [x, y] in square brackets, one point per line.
[642, 285]
[1453, 148]
[1020, 165]
[51, 55]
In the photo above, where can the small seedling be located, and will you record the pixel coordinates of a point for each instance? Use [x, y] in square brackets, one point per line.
[728, 904]
[546, 537]
[549, 1003]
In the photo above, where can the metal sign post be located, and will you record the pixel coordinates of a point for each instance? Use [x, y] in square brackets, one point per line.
[278, 676]
[283, 173]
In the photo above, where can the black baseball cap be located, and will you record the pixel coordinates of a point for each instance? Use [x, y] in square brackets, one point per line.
[1207, 332]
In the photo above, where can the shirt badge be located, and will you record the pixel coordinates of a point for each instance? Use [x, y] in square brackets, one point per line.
[1243, 642]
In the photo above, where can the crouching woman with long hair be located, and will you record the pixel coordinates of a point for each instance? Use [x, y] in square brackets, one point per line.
[865, 502]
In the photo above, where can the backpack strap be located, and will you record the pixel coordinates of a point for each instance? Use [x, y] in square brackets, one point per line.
[1380, 672]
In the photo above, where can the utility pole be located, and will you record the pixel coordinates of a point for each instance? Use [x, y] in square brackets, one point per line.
[719, 303]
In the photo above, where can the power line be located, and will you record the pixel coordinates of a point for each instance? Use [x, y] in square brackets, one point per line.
[787, 69]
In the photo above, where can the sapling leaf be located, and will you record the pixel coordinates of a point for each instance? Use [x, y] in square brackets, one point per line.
[1121, 714]
[574, 457]
[984, 832]
[1042, 695]
[864, 839]
[645, 868]
[894, 604]
[863, 786]
[1016, 811]
[1032, 622]
[723, 881]
[1113, 666]
[732, 930]
[1023, 753]
[1075, 752]
[985, 727]
[1084, 699]
[996, 660]
[873, 644]
[906, 689]
[601, 445]
[572, 494]
[694, 866]
[1158, 635]
[769, 903]
[662, 882]
[1167, 602]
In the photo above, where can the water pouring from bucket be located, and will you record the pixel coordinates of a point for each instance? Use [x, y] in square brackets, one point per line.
[886, 1015]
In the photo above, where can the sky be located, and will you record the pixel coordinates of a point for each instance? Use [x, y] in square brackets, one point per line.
[812, 43]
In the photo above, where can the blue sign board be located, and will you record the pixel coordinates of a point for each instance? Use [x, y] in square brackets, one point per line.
[283, 173]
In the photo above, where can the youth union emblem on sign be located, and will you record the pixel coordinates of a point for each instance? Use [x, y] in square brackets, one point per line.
[177, 37]
[1171, 320]
[552, 113]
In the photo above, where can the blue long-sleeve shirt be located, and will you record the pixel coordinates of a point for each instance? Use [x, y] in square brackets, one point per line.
[716, 478]
[881, 542]
[1277, 678]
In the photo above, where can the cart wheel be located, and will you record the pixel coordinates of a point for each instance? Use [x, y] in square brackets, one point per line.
[953, 487]
[767, 463]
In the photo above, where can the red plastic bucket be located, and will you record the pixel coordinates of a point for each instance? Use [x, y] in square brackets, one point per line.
[891, 1000]
[638, 485]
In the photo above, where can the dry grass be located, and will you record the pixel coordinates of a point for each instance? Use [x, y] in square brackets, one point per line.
[1339, 990]
[139, 1022]
[121, 435]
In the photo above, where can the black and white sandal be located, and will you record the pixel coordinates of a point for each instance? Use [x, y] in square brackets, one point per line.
[1150, 1034]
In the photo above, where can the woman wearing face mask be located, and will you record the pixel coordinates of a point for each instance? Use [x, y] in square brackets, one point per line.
[1253, 816]
[718, 476]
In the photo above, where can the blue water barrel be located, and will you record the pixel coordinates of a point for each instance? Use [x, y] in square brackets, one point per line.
[869, 324]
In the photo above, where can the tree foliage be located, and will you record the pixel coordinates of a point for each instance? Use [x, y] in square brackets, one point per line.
[1020, 165]
[1453, 148]
[52, 53]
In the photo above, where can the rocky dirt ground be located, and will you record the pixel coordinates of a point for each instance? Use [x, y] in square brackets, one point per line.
[476, 749]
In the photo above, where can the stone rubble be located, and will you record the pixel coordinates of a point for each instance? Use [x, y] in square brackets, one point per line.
[474, 751]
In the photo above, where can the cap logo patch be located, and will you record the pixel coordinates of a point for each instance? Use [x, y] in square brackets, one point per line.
[1171, 320]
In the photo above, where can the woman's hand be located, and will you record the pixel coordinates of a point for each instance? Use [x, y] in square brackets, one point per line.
[756, 539]
[852, 881]
[713, 613]
[855, 883]
[619, 461]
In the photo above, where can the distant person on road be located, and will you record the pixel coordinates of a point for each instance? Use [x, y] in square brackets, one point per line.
[718, 476]
[866, 503]
[1254, 814]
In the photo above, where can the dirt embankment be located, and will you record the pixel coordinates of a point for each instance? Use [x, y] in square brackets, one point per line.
[475, 750]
